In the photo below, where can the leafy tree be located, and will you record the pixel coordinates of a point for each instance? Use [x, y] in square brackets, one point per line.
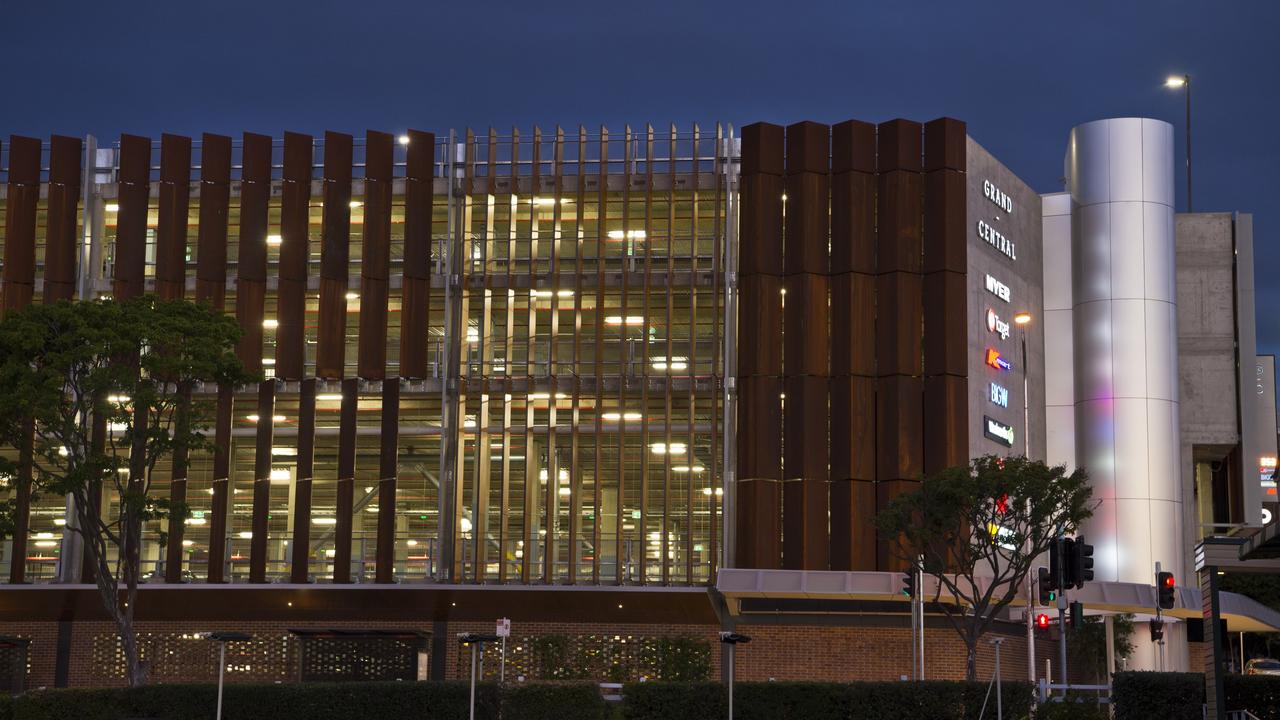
[1087, 645]
[108, 387]
[979, 530]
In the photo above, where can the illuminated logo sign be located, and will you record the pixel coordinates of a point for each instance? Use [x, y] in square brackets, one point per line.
[997, 196]
[997, 362]
[996, 325]
[997, 288]
[999, 395]
[997, 431]
[997, 240]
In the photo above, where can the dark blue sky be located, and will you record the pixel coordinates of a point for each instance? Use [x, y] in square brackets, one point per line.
[1020, 73]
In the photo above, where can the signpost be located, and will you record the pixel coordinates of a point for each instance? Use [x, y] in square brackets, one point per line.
[503, 631]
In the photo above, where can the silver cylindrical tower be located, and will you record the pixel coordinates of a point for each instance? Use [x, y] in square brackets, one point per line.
[1120, 175]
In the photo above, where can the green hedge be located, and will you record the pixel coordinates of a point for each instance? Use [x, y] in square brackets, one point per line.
[1259, 694]
[579, 701]
[1085, 710]
[942, 700]
[1169, 696]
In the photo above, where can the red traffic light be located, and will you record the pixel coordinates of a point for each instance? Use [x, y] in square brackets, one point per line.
[1167, 579]
[1042, 621]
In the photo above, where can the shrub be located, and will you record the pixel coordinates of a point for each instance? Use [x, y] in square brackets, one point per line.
[1086, 710]
[1169, 696]
[578, 701]
[672, 701]
[1259, 694]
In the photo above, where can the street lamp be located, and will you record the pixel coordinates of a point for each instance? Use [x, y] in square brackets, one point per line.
[1022, 320]
[1183, 82]
[732, 639]
[222, 638]
[474, 640]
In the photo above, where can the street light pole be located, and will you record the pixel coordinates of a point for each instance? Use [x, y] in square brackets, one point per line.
[732, 639]
[476, 641]
[1023, 319]
[1184, 82]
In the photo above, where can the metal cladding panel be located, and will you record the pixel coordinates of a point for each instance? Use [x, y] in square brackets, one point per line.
[251, 296]
[334, 256]
[300, 544]
[946, 422]
[805, 428]
[295, 201]
[20, 222]
[373, 329]
[889, 555]
[418, 193]
[946, 318]
[899, 319]
[762, 149]
[807, 148]
[899, 428]
[806, 341]
[760, 235]
[759, 504]
[853, 430]
[944, 145]
[805, 543]
[262, 481]
[945, 239]
[60, 240]
[131, 222]
[900, 210]
[853, 147]
[255, 192]
[171, 229]
[346, 481]
[221, 474]
[211, 235]
[853, 324]
[760, 427]
[806, 242]
[853, 532]
[759, 351]
[331, 345]
[853, 222]
[1120, 177]
[414, 319]
[387, 480]
[898, 146]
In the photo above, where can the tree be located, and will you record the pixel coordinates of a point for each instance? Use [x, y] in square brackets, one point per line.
[95, 394]
[1087, 645]
[979, 530]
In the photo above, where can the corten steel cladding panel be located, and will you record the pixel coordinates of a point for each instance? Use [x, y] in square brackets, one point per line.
[759, 406]
[131, 222]
[221, 468]
[899, 428]
[177, 499]
[64, 202]
[211, 235]
[945, 246]
[346, 480]
[20, 222]
[945, 143]
[853, 472]
[760, 306]
[853, 197]
[759, 471]
[416, 292]
[251, 265]
[335, 254]
[171, 230]
[301, 541]
[900, 317]
[387, 480]
[375, 263]
[805, 545]
[807, 340]
[853, 324]
[807, 196]
[295, 255]
[946, 414]
[946, 340]
[262, 481]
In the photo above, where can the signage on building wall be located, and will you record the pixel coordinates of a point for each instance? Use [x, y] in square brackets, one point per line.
[997, 240]
[1000, 395]
[997, 288]
[996, 361]
[997, 431]
[996, 325]
[997, 196]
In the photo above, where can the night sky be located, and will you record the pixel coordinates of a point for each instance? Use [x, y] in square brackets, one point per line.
[1021, 74]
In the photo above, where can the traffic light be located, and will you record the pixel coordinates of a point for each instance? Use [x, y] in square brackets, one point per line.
[1060, 562]
[1042, 621]
[1077, 614]
[1048, 592]
[1157, 630]
[1166, 589]
[909, 583]
[1080, 567]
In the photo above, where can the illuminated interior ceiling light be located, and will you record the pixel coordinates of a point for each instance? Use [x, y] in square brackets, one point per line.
[284, 451]
[118, 398]
[188, 543]
[325, 521]
[329, 397]
[627, 235]
[279, 474]
[404, 139]
[63, 452]
[676, 363]
[630, 320]
[353, 296]
[565, 491]
[195, 521]
[547, 201]
[246, 534]
[708, 491]
[663, 449]
[464, 525]
[268, 361]
[615, 417]
[59, 521]
[688, 468]
[274, 239]
[371, 508]
[549, 293]
[46, 543]
[117, 427]
[253, 418]
[473, 334]
[542, 475]
[270, 323]
[563, 475]
[330, 553]
[43, 535]
[540, 396]
[355, 204]
[469, 422]
[111, 207]
[411, 542]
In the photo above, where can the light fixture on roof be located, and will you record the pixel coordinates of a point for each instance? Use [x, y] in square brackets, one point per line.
[404, 139]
